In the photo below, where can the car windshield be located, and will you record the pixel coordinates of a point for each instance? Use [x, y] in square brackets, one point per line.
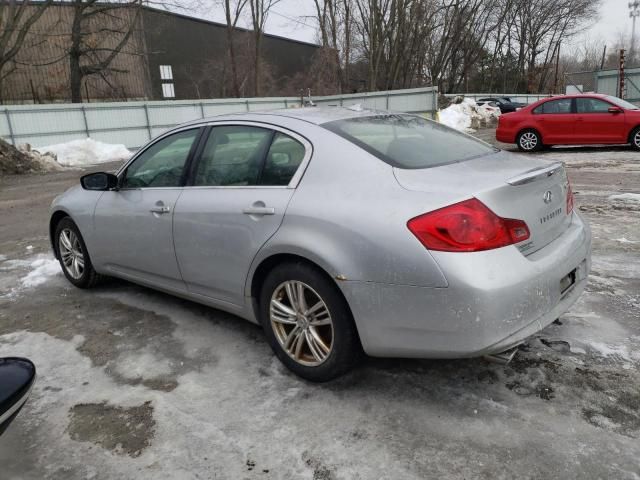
[409, 141]
[622, 103]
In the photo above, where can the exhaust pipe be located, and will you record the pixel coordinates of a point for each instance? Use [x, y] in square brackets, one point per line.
[502, 358]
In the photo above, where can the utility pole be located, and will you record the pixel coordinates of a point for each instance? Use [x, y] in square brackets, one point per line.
[634, 13]
[621, 74]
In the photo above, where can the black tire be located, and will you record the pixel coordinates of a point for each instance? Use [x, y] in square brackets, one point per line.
[529, 141]
[88, 277]
[345, 350]
[634, 139]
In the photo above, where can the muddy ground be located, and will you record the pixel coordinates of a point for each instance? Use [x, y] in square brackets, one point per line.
[137, 384]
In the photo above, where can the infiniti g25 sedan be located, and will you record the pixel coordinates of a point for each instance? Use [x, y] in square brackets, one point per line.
[340, 231]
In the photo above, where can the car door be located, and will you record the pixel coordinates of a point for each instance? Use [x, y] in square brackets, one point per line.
[240, 189]
[555, 120]
[595, 124]
[133, 224]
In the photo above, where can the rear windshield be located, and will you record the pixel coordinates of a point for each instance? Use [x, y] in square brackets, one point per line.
[408, 141]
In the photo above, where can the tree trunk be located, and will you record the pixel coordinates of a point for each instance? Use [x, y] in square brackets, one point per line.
[258, 65]
[232, 51]
[75, 70]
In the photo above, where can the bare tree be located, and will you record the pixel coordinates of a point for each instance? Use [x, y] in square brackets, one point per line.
[335, 25]
[99, 33]
[233, 11]
[16, 20]
[259, 13]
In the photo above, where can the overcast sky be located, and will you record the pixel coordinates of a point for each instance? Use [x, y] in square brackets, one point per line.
[294, 19]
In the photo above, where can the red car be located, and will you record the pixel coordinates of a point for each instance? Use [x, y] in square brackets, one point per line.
[591, 119]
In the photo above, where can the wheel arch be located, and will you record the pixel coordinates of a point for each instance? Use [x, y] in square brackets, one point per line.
[631, 132]
[55, 219]
[268, 263]
[524, 129]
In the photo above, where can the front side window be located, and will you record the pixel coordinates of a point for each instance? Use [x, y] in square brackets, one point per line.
[554, 107]
[409, 141]
[592, 105]
[233, 156]
[162, 164]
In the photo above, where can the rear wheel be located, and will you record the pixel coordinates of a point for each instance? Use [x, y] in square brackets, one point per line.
[635, 138]
[529, 141]
[73, 255]
[308, 323]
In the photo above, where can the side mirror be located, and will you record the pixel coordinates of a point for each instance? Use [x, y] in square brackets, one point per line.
[100, 181]
[615, 110]
[17, 376]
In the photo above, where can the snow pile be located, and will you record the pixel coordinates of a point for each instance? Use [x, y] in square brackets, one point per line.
[43, 268]
[467, 115]
[626, 197]
[79, 153]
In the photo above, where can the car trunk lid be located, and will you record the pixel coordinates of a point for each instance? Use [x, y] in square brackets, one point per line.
[512, 186]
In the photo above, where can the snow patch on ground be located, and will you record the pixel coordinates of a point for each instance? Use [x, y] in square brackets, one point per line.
[468, 115]
[29, 272]
[42, 270]
[86, 152]
[626, 240]
[145, 365]
[626, 197]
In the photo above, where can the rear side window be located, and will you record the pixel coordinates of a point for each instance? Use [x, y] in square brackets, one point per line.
[554, 106]
[283, 159]
[408, 141]
[242, 155]
[233, 156]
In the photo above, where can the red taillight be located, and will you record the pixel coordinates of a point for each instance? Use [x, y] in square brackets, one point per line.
[569, 199]
[467, 226]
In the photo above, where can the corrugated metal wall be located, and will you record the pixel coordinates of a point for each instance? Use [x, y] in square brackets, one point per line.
[414, 100]
[135, 123]
[608, 82]
[515, 97]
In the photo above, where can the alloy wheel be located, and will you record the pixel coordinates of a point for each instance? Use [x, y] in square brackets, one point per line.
[301, 322]
[528, 140]
[636, 139]
[71, 253]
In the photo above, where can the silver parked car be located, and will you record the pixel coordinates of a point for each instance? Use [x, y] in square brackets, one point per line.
[339, 231]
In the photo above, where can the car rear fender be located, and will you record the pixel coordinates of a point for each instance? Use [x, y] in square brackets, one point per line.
[345, 256]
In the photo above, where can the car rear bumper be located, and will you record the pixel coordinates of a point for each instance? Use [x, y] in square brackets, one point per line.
[505, 135]
[495, 300]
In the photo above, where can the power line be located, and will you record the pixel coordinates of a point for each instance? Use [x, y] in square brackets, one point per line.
[300, 22]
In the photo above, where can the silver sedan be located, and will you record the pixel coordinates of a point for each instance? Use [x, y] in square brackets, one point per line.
[340, 231]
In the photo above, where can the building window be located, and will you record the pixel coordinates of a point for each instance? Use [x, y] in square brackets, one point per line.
[166, 72]
[168, 91]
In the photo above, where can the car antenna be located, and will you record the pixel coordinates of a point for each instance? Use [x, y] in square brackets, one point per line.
[309, 101]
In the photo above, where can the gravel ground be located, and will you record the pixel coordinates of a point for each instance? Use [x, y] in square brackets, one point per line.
[137, 384]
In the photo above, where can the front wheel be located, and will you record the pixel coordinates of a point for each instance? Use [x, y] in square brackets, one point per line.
[73, 255]
[308, 322]
[529, 141]
[635, 138]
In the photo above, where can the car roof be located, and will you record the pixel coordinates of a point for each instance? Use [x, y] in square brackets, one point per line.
[315, 115]
[577, 95]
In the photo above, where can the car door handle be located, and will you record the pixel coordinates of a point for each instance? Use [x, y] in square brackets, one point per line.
[259, 211]
[160, 210]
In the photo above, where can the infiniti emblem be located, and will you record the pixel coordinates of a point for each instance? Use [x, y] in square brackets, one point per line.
[548, 196]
